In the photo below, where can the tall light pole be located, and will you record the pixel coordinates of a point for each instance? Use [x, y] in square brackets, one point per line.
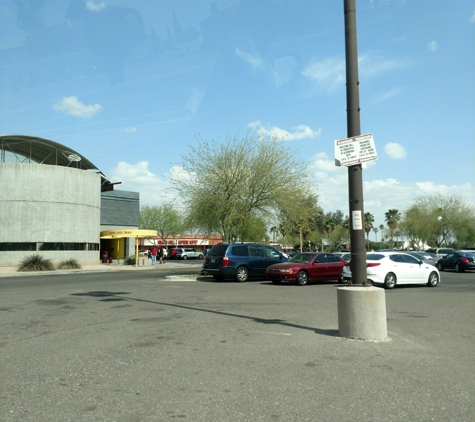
[361, 307]
[355, 173]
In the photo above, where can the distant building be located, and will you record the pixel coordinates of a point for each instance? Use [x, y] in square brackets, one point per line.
[55, 202]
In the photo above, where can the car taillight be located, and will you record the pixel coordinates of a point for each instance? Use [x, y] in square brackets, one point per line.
[372, 264]
[347, 264]
[225, 261]
[464, 260]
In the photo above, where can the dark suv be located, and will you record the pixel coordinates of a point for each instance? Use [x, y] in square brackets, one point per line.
[240, 261]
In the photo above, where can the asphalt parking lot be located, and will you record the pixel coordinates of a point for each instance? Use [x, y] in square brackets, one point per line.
[165, 345]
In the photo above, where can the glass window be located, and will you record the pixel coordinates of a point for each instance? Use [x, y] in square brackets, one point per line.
[322, 258]
[25, 246]
[271, 252]
[256, 251]
[408, 259]
[241, 250]
[374, 256]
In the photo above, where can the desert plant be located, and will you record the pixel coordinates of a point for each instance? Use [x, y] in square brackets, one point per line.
[36, 263]
[69, 264]
[130, 260]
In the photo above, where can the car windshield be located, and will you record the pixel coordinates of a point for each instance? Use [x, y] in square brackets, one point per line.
[302, 258]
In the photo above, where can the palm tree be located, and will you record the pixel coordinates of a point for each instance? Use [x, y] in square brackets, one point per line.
[392, 218]
[274, 230]
[368, 225]
[376, 230]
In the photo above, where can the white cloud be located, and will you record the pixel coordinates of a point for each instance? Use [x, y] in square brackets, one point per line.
[432, 46]
[298, 132]
[138, 178]
[395, 151]
[472, 19]
[73, 107]
[372, 63]
[382, 97]
[130, 129]
[332, 72]
[93, 7]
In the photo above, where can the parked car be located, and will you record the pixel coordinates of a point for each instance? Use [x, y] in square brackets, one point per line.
[429, 259]
[434, 256]
[458, 261]
[240, 261]
[396, 268]
[441, 251]
[188, 253]
[306, 267]
[345, 255]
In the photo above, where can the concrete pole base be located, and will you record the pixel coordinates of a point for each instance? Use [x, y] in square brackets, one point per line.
[362, 313]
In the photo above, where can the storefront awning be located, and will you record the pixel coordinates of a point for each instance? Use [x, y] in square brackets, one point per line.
[119, 233]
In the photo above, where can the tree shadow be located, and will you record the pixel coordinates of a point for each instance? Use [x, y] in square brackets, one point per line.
[115, 296]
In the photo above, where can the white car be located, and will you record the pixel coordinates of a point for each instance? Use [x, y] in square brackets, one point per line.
[395, 268]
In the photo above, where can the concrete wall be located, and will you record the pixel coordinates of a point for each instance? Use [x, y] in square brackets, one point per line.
[42, 203]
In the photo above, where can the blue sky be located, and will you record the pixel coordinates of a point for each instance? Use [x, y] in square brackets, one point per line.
[131, 84]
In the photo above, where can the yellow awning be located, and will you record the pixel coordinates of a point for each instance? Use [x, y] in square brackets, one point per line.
[119, 233]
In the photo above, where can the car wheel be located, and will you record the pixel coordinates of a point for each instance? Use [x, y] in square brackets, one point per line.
[242, 274]
[439, 266]
[433, 279]
[218, 277]
[458, 268]
[390, 281]
[341, 279]
[185, 257]
[302, 278]
[200, 256]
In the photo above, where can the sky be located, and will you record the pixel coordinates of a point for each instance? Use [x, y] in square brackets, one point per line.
[131, 85]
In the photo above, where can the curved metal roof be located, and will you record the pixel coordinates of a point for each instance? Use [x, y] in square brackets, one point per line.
[27, 149]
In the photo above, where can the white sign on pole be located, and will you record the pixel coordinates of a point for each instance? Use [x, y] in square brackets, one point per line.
[357, 220]
[355, 150]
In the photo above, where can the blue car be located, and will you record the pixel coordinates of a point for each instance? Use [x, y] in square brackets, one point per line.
[241, 261]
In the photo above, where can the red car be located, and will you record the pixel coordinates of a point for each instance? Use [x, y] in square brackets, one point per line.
[306, 267]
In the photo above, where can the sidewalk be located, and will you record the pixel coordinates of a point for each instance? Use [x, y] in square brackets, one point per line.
[143, 264]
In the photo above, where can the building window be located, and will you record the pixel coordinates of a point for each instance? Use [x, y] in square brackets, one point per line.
[48, 246]
[17, 246]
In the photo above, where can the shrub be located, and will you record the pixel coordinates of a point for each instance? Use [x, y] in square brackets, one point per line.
[36, 263]
[130, 260]
[69, 264]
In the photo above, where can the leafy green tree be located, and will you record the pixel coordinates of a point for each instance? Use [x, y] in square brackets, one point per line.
[338, 237]
[329, 227]
[224, 186]
[166, 219]
[439, 220]
[392, 218]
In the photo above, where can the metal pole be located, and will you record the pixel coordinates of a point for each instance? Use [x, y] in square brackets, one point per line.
[355, 173]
